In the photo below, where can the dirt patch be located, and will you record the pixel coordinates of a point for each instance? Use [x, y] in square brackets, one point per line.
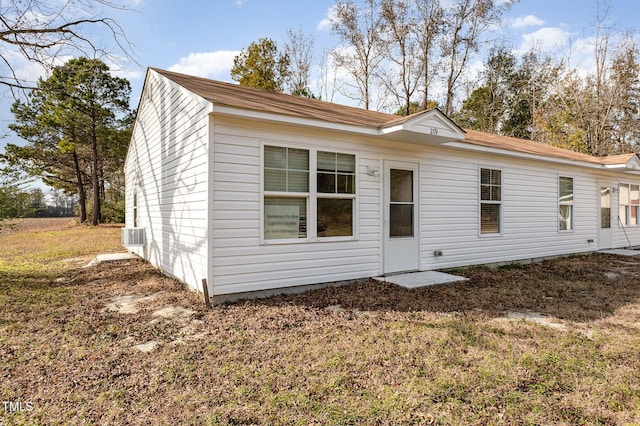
[128, 303]
[147, 347]
[173, 311]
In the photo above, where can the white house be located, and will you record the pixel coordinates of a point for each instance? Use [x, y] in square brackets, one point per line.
[255, 190]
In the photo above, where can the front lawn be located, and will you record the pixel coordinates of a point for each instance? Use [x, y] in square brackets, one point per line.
[549, 343]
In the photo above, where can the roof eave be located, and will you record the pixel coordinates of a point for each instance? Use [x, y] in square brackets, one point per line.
[288, 119]
[538, 157]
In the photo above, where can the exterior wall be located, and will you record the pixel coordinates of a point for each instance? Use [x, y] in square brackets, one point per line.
[240, 261]
[450, 221]
[167, 166]
[449, 205]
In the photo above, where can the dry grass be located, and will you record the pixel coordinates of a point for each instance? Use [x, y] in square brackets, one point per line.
[440, 355]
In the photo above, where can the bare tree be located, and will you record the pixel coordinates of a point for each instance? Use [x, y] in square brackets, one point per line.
[360, 29]
[466, 22]
[429, 26]
[625, 76]
[40, 31]
[403, 77]
[328, 81]
[299, 50]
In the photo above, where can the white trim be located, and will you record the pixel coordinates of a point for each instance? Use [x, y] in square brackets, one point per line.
[292, 120]
[311, 196]
[211, 147]
[393, 245]
[500, 203]
[478, 148]
[573, 203]
[599, 185]
[452, 129]
[627, 225]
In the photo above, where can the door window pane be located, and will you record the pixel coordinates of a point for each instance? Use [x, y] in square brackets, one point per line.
[605, 207]
[401, 220]
[401, 182]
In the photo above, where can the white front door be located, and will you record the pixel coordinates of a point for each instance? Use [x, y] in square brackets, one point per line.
[604, 235]
[401, 246]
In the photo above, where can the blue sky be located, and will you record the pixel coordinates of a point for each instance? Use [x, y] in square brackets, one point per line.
[202, 37]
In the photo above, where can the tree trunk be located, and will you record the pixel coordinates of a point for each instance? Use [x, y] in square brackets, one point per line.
[82, 197]
[95, 181]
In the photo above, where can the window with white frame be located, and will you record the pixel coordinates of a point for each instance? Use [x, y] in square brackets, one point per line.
[565, 203]
[135, 207]
[288, 194]
[490, 200]
[629, 202]
[336, 185]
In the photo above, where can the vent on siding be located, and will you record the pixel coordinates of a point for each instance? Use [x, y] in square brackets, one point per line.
[132, 237]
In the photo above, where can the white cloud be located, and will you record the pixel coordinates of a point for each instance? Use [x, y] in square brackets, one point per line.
[207, 64]
[545, 40]
[325, 24]
[526, 21]
[25, 71]
[239, 2]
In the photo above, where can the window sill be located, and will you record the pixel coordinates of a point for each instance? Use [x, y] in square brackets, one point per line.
[308, 240]
[496, 235]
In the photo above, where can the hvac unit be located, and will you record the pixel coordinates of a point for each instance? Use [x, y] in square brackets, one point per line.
[132, 237]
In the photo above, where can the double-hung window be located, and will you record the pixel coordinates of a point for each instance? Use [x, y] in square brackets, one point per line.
[135, 207]
[336, 194]
[629, 202]
[286, 192]
[291, 201]
[565, 203]
[490, 201]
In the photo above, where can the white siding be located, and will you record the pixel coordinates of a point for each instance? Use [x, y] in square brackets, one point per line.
[449, 200]
[450, 223]
[167, 162]
[241, 261]
[198, 178]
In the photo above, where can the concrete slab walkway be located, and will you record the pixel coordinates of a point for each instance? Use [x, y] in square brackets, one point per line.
[622, 252]
[113, 257]
[421, 279]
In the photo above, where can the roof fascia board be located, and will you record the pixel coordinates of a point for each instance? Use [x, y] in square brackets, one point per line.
[307, 122]
[523, 155]
[622, 167]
